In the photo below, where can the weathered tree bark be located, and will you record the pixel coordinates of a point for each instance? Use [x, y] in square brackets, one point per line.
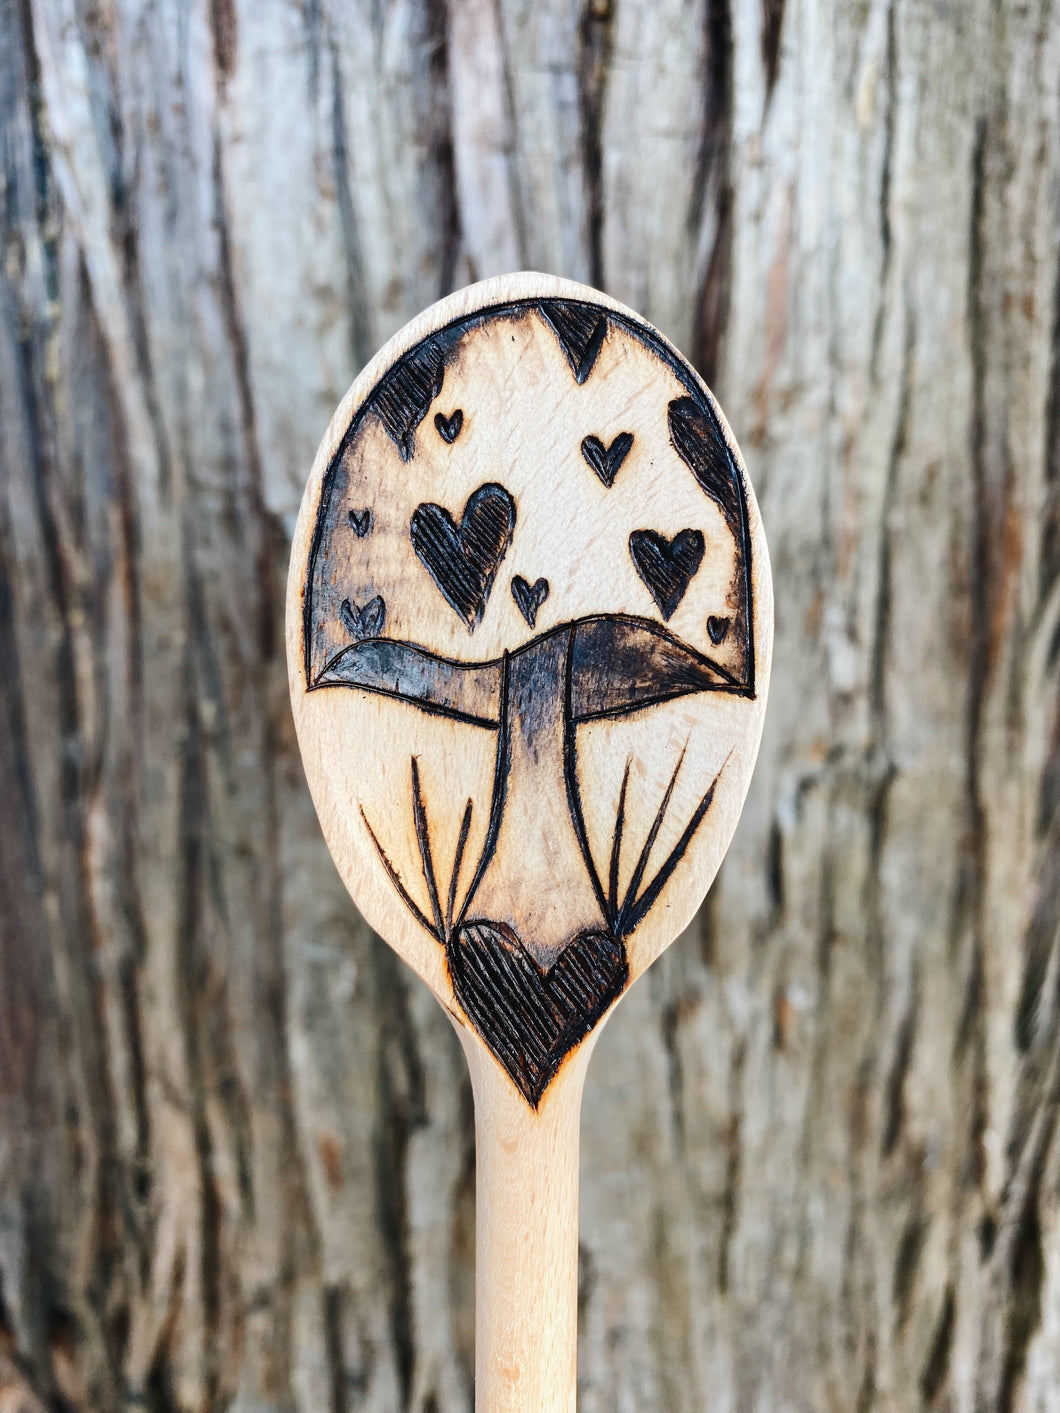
[821, 1163]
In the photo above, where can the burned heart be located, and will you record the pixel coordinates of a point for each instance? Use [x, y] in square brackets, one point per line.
[463, 559]
[366, 622]
[606, 460]
[449, 427]
[529, 596]
[529, 1016]
[666, 566]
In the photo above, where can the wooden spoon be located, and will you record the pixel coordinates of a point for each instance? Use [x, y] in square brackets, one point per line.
[529, 627]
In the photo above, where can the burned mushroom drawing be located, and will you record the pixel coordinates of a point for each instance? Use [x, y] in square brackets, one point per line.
[467, 604]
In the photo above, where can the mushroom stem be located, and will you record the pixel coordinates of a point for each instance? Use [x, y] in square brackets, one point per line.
[537, 880]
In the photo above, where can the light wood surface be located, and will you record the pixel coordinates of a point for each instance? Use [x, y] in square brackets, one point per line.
[529, 635]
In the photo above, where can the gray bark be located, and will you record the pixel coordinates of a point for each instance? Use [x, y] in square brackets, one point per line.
[821, 1159]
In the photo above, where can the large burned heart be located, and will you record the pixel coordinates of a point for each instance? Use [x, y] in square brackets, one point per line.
[529, 738]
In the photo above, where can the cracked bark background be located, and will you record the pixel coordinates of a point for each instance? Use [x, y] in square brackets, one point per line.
[821, 1162]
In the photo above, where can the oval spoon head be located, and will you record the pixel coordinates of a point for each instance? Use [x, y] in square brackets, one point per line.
[529, 626]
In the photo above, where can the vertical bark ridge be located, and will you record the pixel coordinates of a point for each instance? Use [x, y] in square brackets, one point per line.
[594, 58]
[712, 195]
[440, 143]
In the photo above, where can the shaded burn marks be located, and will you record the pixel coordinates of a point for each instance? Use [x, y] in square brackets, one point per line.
[700, 443]
[365, 620]
[407, 391]
[530, 1017]
[448, 428]
[667, 566]
[529, 597]
[463, 568]
[606, 460]
[580, 329]
[698, 439]
[463, 559]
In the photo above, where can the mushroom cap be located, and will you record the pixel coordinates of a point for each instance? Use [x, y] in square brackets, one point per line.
[621, 491]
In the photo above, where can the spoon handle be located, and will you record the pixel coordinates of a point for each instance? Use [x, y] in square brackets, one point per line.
[526, 1279]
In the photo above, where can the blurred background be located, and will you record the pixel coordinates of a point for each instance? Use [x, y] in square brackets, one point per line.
[821, 1165]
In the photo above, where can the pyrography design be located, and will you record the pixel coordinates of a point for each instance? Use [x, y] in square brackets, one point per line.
[536, 696]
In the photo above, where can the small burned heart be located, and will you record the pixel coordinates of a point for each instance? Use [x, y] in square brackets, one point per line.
[449, 427]
[529, 596]
[361, 522]
[366, 622]
[718, 628]
[606, 460]
[529, 1017]
[463, 559]
[666, 566]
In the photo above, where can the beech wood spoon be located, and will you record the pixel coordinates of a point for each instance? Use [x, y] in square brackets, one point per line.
[529, 627]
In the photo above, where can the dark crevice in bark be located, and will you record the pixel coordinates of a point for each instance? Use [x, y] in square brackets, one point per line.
[894, 1088]
[826, 929]
[937, 1366]
[314, 41]
[970, 1040]
[879, 674]
[224, 30]
[772, 29]
[27, 1000]
[775, 869]
[1050, 557]
[972, 864]
[712, 183]
[1023, 1306]
[192, 969]
[125, 219]
[440, 147]
[334, 1354]
[19, 786]
[259, 524]
[401, 1108]
[733, 1163]
[906, 1265]
[594, 59]
[357, 301]
[512, 146]
[867, 1389]
[125, 743]
[670, 1025]
[886, 173]
[1039, 953]
[47, 223]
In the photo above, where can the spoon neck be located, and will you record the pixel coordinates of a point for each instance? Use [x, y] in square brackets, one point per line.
[526, 1279]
